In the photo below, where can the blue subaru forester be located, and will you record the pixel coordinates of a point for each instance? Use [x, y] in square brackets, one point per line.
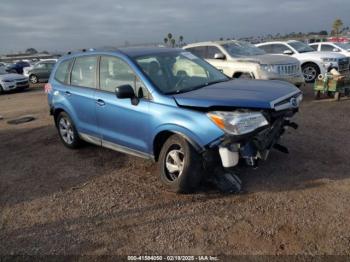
[169, 106]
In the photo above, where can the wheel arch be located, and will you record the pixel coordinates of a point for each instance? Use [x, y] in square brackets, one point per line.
[163, 135]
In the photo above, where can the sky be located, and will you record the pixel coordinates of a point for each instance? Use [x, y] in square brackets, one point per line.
[74, 24]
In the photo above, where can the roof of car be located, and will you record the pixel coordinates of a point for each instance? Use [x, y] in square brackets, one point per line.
[129, 51]
[278, 42]
[220, 42]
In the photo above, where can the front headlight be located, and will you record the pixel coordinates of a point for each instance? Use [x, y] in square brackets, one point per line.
[238, 123]
[269, 68]
[328, 59]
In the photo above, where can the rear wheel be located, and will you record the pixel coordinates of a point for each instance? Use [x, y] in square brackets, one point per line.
[310, 72]
[179, 165]
[33, 79]
[1, 90]
[67, 131]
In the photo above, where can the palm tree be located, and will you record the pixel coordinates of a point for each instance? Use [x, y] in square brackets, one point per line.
[181, 38]
[337, 25]
[172, 42]
[165, 41]
[170, 36]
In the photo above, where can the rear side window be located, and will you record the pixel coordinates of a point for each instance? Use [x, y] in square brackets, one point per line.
[266, 48]
[327, 48]
[62, 72]
[278, 49]
[199, 51]
[84, 72]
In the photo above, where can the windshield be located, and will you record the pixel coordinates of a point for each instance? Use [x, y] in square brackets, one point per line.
[239, 49]
[345, 46]
[178, 72]
[301, 47]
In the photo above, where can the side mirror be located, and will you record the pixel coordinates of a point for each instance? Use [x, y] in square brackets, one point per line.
[287, 52]
[126, 91]
[220, 56]
[336, 50]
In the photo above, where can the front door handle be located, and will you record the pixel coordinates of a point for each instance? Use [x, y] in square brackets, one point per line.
[100, 102]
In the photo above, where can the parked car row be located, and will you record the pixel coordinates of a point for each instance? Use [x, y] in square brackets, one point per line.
[312, 63]
[12, 81]
[238, 59]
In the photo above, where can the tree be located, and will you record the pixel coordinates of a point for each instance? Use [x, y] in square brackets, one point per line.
[181, 39]
[172, 42]
[165, 41]
[31, 51]
[170, 36]
[337, 26]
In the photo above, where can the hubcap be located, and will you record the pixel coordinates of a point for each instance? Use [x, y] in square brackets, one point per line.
[66, 130]
[174, 163]
[309, 73]
[33, 79]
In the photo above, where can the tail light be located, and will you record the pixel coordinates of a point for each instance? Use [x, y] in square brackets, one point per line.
[48, 88]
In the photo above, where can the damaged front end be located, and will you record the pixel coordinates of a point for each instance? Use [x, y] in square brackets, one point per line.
[253, 136]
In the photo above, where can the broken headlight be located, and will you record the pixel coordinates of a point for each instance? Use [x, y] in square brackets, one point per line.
[238, 123]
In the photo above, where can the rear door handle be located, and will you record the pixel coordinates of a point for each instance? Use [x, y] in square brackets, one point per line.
[68, 93]
[100, 102]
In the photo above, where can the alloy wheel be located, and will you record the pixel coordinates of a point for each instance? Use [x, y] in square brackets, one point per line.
[174, 163]
[66, 130]
[34, 79]
[309, 73]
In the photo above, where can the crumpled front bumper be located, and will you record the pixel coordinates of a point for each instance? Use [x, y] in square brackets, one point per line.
[254, 146]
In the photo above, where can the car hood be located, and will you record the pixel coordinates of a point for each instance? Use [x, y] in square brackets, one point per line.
[321, 55]
[12, 77]
[259, 94]
[269, 59]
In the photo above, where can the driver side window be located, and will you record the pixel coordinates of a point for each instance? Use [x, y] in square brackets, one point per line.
[115, 72]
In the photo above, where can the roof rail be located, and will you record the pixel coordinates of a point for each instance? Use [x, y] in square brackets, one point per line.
[81, 50]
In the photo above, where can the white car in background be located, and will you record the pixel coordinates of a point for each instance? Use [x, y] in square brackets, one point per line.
[27, 69]
[312, 63]
[341, 48]
[239, 59]
[10, 81]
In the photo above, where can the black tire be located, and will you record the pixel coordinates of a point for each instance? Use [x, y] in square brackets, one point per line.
[310, 72]
[33, 79]
[1, 90]
[72, 139]
[186, 180]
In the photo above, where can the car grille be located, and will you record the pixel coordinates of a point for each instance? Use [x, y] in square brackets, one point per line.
[22, 83]
[289, 69]
[343, 64]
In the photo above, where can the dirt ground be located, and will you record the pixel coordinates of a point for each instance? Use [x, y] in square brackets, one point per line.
[95, 201]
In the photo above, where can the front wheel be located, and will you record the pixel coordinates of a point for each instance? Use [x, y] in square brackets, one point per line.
[180, 166]
[67, 131]
[33, 79]
[310, 72]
